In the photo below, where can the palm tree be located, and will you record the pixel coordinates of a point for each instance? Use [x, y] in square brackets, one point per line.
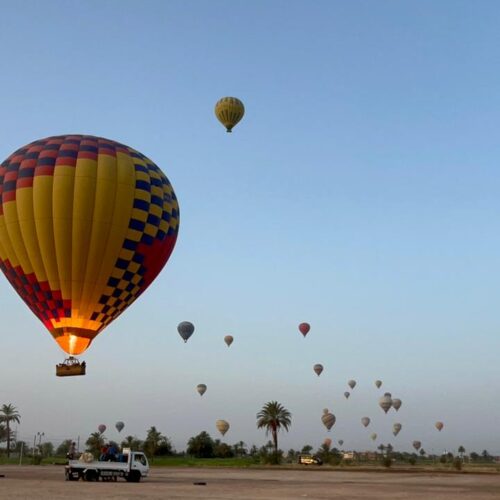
[95, 442]
[273, 417]
[8, 414]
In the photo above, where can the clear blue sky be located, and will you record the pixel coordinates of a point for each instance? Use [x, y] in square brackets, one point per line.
[360, 193]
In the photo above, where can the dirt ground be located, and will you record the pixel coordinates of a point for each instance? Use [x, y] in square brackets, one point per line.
[47, 482]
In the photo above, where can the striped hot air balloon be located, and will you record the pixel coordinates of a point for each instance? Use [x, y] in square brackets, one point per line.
[86, 224]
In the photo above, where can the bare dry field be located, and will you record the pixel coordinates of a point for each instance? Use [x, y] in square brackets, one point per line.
[47, 482]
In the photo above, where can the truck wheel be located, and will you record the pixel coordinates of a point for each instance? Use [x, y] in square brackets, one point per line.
[134, 476]
[91, 475]
[69, 477]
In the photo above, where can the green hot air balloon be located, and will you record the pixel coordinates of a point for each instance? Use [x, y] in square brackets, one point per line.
[378, 383]
[373, 436]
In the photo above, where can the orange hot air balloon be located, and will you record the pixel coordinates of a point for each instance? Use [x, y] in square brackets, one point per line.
[86, 224]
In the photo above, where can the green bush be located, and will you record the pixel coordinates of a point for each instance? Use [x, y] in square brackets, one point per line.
[271, 458]
[36, 460]
[443, 459]
[412, 460]
[387, 462]
[457, 463]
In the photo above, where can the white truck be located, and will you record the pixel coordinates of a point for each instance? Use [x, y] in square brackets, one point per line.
[133, 467]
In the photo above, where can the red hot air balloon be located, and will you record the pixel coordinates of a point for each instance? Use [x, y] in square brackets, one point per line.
[304, 328]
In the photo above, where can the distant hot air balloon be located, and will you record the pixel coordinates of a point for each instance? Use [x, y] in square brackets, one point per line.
[373, 436]
[304, 328]
[396, 428]
[86, 224]
[328, 419]
[351, 384]
[347, 394]
[365, 421]
[327, 442]
[222, 426]
[378, 383]
[228, 339]
[396, 404]
[341, 442]
[185, 329]
[229, 111]
[101, 428]
[385, 402]
[417, 445]
[201, 388]
[318, 368]
[439, 426]
[119, 426]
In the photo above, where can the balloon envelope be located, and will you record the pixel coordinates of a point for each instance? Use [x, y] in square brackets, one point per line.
[365, 421]
[385, 402]
[229, 111]
[396, 404]
[201, 388]
[378, 383]
[373, 436]
[396, 428]
[318, 368]
[304, 328]
[416, 445]
[327, 442]
[347, 394]
[439, 426]
[101, 428]
[119, 426]
[222, 426]
[351, 384]
[328, 419]
[341, 442]
[185, 329]
[86, 224]
[228, 339]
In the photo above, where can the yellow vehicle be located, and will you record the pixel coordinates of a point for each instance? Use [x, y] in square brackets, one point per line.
[310, 460]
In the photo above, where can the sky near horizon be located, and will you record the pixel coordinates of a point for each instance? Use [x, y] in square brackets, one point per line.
[360, 193]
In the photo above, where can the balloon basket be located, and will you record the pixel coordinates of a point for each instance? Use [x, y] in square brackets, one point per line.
[70, 367]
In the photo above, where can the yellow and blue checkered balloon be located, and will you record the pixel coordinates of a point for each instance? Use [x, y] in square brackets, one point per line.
[86, 224]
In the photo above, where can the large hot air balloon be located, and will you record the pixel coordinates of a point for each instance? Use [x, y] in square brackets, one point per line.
[228, 339]
[378, 383]
[416, 445]
[351, 384]
[119, 426]
[222, 426]
[201, 388]
[327, 442]
[229, 111]
[347, 394]
[328, 419]
[101, 428]
[396, 404]
[396, 428]
[373, 436]
[304, 328]
[185, 329]
[439, 426]
[365, 421]
[385, 402]
[86, 224]
[318, 368]
[341, 442]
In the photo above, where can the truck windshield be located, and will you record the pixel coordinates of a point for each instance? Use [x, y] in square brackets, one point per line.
[141, 459]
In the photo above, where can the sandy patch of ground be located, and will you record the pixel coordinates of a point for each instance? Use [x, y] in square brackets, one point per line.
[47, 482]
